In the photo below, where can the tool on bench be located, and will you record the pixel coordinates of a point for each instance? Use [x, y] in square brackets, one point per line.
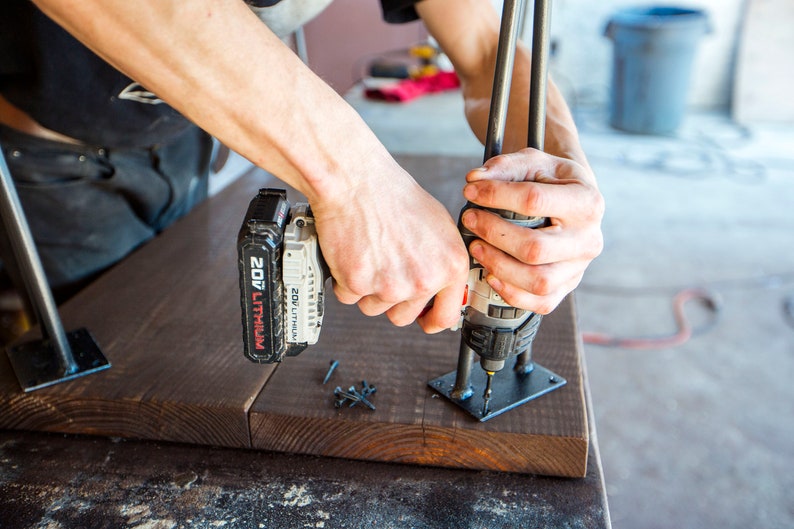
[59, 356]
[282, 273]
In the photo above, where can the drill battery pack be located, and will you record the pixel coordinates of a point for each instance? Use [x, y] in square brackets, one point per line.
[282, 278]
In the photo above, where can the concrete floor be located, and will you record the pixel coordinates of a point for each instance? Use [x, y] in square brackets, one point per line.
[699, 435]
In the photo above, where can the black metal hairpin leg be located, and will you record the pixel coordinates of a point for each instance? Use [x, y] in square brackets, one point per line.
[58, 356]
[527, 380]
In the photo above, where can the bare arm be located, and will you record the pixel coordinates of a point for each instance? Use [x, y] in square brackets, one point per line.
[214, 61]
[468, 31]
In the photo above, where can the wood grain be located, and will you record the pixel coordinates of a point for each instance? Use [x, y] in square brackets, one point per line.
[296, 413]
[168, 319]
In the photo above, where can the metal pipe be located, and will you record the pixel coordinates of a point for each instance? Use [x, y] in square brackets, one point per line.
[300, 45]
[462, 389]
[30, 268]
[541, 24]
[503, 73]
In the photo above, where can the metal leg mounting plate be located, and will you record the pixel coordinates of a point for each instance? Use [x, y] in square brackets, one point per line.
[509, 389]
[37, 364]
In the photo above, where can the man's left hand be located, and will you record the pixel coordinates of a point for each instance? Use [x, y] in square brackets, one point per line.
[534, 269]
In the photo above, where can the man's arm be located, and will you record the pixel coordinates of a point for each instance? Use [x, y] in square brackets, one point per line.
[214, 61]
[531, 269]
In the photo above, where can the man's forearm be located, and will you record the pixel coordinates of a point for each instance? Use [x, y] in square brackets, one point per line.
[468, 32]
[218, 64]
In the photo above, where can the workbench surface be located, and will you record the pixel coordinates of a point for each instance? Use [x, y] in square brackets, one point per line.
[54, 480]
[168, 320]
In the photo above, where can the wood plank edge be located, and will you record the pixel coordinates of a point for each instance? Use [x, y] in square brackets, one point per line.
[427, 446]
[581, 368]
[133, 419]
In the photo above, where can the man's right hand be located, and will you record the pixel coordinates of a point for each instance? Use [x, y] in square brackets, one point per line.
[391, 249]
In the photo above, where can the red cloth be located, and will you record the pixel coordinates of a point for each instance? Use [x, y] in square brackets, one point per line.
[408, 89]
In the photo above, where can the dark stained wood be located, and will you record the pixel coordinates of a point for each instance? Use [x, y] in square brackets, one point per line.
[296, 413]
[168, 319]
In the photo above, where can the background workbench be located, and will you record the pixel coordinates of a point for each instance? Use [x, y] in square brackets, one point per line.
[194, 389]
[53, 480]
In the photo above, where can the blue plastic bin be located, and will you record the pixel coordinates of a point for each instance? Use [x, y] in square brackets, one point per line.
[653, 52]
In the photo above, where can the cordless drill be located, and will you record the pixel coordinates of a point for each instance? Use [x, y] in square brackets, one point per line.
[491, 328]
[282, 289]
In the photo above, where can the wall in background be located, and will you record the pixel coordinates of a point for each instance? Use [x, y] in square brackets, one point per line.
[342, 40]
[349, 33]
[582, 65]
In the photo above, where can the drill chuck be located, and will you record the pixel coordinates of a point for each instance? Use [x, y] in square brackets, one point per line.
[495, 340]
[494, 330]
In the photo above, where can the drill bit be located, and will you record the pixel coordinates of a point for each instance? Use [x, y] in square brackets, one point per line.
[486, 396]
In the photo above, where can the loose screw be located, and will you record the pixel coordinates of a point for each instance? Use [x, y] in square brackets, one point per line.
[344, 396]
[354, 396]
[366, 389]
[334, 365]
[361, 398]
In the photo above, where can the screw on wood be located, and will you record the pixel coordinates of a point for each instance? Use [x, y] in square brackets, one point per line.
[361, 398]
[343, 396]
[353, 396]
[334, 365]
[366, 389]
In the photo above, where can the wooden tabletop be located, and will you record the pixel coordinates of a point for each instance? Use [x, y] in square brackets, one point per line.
[168, 319]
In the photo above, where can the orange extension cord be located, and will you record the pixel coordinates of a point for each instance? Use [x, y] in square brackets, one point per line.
[683, 334]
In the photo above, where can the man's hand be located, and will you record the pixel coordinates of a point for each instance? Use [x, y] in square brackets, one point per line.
[391, 248]
[534, 269]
